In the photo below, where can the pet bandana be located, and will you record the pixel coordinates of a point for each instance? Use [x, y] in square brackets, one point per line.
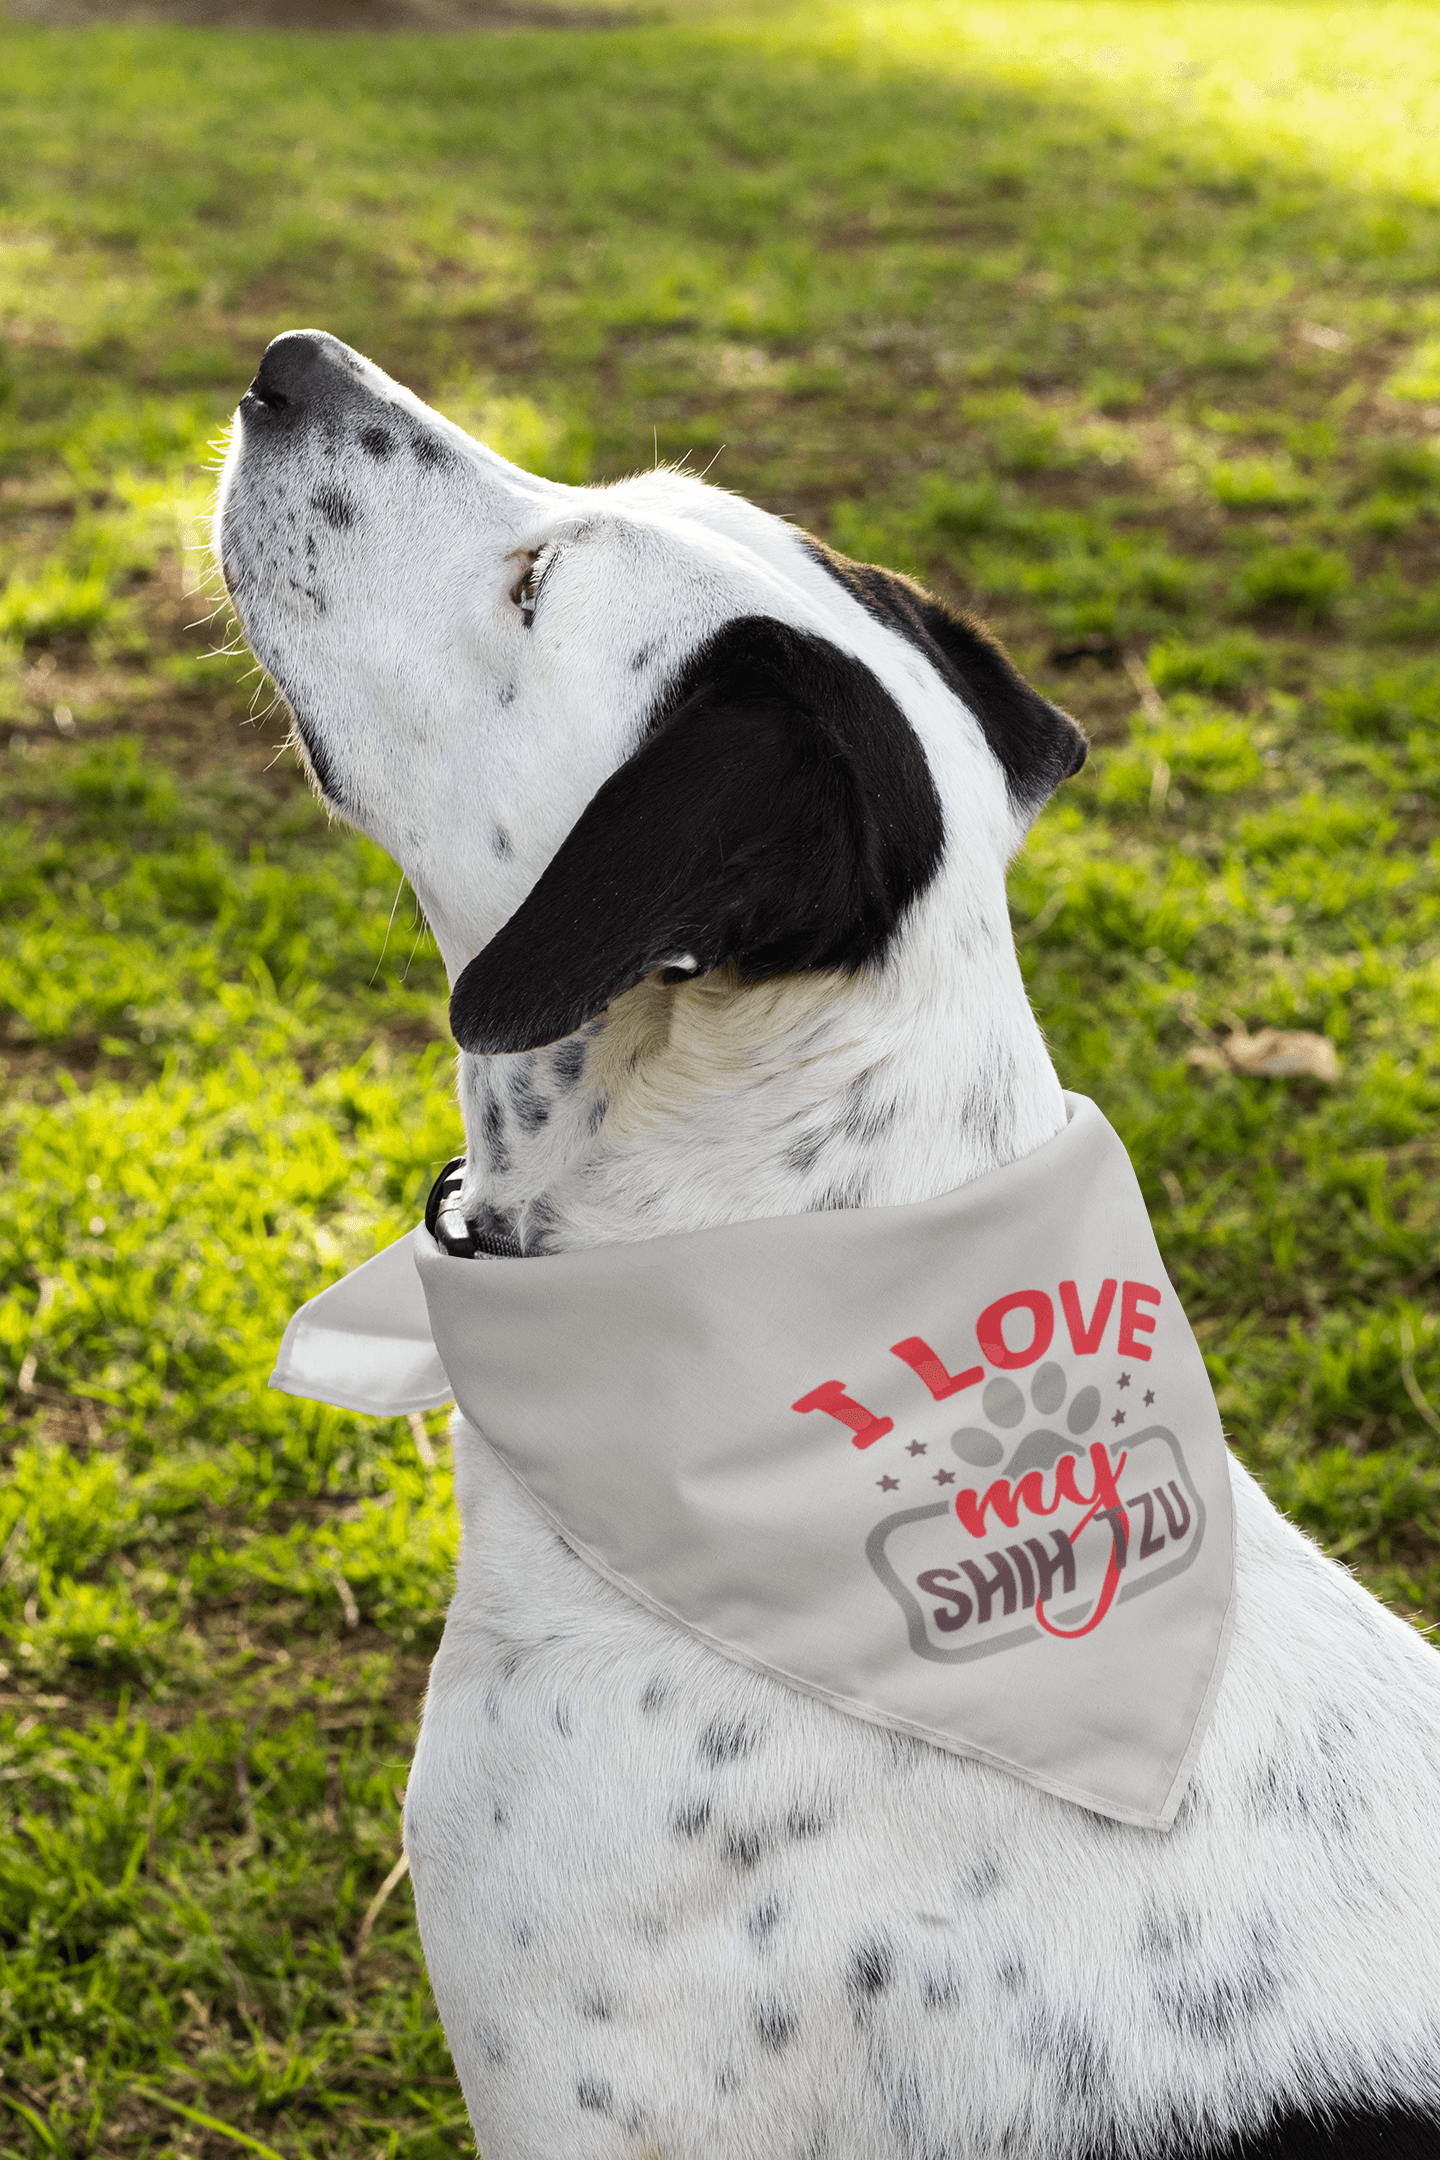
[954, 1468]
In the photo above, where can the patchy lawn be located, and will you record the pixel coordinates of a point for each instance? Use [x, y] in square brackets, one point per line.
[1116, 321]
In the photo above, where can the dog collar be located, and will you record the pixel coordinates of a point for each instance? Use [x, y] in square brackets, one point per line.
[464, 1237]
[955, 1468]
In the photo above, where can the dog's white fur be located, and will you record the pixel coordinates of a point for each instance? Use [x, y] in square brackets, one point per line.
[669, 1907]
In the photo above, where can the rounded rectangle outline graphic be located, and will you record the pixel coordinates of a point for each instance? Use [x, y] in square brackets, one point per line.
[1012, 1638]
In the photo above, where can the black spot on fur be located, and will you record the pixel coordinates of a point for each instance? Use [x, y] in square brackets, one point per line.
[805, 1153]
[761, 1924]
[725, 1742]
[335, 506]
[496, 2046]
[979, 1881]
[1167, 1937]
[1066, 2047]
[430, 452]
[500, 1815]
[654, 1695]
[909, 2118]
[595, 2093]
[744, 1847]
[377, 442]
[531, 1108]
[1194, 1804]
[864, 1118]
[1312, 1786]
[1216, 2010]
[872, 1967]
[774, 2024]
[562, 1720]
[522, 1933]
[690, 1817]
[642, 659]
[540, 1220]
[492, 1127]
[507, 694]
[779, 814]
[942, 1989]
[597, 1114]
[806, 1822]
[596, 2007]
[500, 846]
[569, 1062]
[1035, 744]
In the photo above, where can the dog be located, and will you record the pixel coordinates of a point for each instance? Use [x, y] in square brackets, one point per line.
[712, 827]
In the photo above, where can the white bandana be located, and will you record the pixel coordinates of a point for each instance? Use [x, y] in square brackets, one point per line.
[955, 1468]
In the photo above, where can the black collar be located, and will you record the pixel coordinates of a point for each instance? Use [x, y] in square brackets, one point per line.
[487, 1235]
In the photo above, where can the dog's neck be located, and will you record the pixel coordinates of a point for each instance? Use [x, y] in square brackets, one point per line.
[716, 1101]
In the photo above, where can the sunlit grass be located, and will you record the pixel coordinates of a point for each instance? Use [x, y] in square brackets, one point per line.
[1116, 322]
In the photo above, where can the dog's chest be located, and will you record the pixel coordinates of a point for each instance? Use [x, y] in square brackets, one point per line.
[668, 1906]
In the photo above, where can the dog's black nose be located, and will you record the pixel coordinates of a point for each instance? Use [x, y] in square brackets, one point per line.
[302, 369]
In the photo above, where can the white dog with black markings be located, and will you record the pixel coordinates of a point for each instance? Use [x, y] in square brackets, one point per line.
[712, 829]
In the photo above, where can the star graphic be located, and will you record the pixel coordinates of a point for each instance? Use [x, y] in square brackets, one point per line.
[1124, 1380]
[1149, 1396]
[1119, 1418]
[888, 1484]
[916, 1447]
[944, 1477]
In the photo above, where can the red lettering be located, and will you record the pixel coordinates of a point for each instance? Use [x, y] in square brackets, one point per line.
[1132, 1297]
[1102, 1604]
[830, 1396]
[1029, 1494]
[1086, 1340]
[917, 1354]
[1106, 1492]
[1103, 1500]
[972, 1510]
[989, 1328]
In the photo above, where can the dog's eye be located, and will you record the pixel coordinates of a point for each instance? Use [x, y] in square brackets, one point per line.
[526, 591]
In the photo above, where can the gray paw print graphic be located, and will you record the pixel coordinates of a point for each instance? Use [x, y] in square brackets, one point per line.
[1004, 1404]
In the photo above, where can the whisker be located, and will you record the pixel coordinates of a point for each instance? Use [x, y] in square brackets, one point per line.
[386, 946]
[423, 931]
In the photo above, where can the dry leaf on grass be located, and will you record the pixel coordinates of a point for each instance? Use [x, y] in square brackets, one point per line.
[1272, 1054]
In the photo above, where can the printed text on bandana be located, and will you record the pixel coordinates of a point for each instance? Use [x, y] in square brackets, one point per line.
[1063, 1496]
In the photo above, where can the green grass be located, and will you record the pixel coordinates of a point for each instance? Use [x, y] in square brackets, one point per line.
[1116, 321]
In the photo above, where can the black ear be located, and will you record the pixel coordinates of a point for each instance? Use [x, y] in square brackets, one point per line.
[780, 814]
[1035, 744]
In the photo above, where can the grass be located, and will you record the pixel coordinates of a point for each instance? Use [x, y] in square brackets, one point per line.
[1117, 321]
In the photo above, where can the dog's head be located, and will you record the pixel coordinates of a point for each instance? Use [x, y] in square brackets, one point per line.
[608, 732]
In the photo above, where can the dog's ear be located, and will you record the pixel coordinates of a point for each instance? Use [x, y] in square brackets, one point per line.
[1035, 744]
[780, 814]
